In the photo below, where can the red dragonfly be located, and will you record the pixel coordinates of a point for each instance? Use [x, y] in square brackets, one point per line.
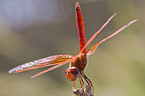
[78, 62]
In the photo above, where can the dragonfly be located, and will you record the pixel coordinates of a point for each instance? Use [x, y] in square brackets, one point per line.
[78, 62]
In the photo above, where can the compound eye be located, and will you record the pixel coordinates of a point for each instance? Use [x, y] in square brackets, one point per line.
[72, 73]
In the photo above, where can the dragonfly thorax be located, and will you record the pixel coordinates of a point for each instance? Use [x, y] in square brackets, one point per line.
[79, 62]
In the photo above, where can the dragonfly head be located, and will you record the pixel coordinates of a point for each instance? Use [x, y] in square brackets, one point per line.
[72, 73]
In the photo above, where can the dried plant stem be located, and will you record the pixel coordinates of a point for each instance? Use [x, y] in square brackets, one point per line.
[88, 91]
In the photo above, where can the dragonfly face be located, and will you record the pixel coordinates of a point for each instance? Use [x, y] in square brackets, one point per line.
[72, 73]
[77, 66]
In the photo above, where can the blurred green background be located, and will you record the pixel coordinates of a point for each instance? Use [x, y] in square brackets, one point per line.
[33, 29]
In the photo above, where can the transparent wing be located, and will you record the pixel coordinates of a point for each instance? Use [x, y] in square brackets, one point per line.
[56, 60]
[90, 40]
[93, 48]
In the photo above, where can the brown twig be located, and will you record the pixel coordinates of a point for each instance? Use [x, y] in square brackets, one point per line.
[88, 91]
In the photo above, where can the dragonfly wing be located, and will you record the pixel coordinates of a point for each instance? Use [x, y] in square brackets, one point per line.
[93, 48]
[47, 70]
[93, 37]
[44, 62]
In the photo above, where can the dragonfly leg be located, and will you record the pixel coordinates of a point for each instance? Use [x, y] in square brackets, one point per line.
[88, 91]
[81, 82]
[74, 84]
[88, 81]
[78, 92]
